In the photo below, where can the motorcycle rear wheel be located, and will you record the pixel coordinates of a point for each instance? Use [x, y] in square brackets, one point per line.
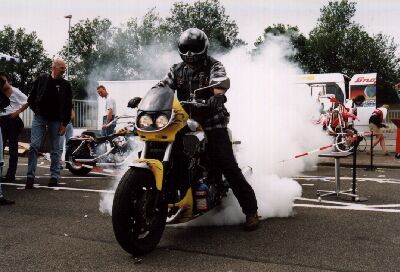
[70, 158]
[139, 213]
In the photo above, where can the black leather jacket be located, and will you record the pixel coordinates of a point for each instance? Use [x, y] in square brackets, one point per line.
[185, 79]
[64, 101]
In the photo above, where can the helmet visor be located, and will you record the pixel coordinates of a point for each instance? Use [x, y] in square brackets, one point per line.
[195, 48]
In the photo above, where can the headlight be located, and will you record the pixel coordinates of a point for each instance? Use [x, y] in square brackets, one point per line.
[161, 121]
[145, 121]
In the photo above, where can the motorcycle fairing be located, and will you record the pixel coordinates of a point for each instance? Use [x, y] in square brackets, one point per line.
[168, 133]
[155, 166]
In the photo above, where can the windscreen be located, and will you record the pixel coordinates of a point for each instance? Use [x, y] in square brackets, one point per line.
[157, 99]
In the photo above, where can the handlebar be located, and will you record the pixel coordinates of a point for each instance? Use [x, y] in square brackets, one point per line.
[196, 103]
[116, 118]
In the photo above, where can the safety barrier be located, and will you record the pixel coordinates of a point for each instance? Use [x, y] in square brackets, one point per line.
[352, 139]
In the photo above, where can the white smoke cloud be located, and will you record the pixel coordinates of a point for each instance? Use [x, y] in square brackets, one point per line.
[272, 119]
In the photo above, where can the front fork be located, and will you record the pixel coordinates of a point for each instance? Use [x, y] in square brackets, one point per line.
[158, 169]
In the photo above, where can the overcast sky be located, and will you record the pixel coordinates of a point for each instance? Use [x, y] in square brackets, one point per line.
[46, 17]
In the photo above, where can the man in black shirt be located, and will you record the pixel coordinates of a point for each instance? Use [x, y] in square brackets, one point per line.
[51, 101]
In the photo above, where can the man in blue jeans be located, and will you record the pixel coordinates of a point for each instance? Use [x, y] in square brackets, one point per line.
[51, 101]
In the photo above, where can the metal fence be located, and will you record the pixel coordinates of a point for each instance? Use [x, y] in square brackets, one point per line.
[85, 114]
[392, 114]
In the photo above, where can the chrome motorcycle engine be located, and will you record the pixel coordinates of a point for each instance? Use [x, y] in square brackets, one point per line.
[120, 142]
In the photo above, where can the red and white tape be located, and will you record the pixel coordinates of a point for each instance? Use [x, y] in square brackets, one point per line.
[101, 169]
[327, 146]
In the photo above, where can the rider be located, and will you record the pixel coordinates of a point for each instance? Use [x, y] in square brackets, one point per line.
[200, 70]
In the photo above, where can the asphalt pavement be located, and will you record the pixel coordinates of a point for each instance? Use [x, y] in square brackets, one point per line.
[62, 229]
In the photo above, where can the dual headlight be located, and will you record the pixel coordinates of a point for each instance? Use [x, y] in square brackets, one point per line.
[147, 120]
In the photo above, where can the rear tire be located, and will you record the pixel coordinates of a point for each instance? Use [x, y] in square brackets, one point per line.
[138, 227]
[70, 159]
[362, 145]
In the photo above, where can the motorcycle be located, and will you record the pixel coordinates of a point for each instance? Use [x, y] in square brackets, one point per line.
[149, 195]
[92, 149]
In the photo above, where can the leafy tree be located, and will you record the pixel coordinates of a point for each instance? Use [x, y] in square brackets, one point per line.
[89, 49]
[208, 16]
[140, 45]
[338, 44]
[141, 49]
[296, 39]
[26, 46]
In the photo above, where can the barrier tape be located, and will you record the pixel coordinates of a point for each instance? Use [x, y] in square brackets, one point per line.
[101, 169]
[352, 139]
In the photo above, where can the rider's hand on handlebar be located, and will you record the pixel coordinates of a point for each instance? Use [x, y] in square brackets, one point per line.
[216, 102]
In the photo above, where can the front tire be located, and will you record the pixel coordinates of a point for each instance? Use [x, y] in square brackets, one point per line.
[139, 212]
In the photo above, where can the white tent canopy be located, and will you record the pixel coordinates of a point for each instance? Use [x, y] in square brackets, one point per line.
[8, 58]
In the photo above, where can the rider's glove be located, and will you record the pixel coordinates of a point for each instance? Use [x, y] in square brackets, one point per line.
[216, 103]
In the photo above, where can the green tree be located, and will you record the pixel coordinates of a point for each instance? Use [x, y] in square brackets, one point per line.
[26, 46]
[208, 16]
[140, 45]
[141, 48]
[338, 44]
[89, 51]
[297, 40]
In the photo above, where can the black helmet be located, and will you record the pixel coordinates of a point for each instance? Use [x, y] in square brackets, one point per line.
[193, 45]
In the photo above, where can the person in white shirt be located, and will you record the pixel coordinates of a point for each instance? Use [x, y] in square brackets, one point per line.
[109, 112]
[11, 124]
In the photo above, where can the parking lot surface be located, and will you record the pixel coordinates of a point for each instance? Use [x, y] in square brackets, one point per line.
[62, 229]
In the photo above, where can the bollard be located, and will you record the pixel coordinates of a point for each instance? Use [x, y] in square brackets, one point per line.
[353, 191]
[397, 123]
[371, 166]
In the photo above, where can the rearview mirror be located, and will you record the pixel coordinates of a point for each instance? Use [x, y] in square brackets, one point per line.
[134, 102]
[221, 82]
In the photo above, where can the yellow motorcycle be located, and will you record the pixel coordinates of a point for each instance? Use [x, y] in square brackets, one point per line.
[151, 193]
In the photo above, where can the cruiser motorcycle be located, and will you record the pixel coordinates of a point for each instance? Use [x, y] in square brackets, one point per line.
[150, 195]
[92, 149]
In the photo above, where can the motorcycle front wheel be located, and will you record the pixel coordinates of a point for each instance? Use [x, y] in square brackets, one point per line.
[139, 213]
[74, 168]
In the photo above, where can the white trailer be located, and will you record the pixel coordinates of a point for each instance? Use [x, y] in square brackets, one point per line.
[365, 85]
[324, 86]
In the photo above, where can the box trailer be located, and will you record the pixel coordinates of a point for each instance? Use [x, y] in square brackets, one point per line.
[365, 85]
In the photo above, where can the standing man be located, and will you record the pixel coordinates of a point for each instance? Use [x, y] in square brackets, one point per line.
[4, 102]
[51, 101]
[110, 111]
[11, 124]
[200, 70]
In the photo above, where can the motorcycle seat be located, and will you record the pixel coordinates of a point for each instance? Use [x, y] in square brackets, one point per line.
[96, 134]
